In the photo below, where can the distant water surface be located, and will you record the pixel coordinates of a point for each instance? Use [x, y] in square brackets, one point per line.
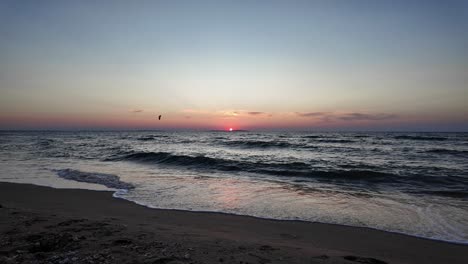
[412, 183]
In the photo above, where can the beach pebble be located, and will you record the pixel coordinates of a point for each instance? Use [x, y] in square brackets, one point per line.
[364, 260]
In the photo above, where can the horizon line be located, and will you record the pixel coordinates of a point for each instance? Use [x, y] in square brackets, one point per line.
[221, 130]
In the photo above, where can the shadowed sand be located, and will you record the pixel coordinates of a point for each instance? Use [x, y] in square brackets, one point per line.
[46, 225]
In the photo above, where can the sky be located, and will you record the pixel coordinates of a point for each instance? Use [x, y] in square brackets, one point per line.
[254, 65]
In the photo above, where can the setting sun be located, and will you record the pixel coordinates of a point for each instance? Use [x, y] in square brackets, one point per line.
[230, 129]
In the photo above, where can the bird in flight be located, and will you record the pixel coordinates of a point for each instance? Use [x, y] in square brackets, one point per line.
[159, 117]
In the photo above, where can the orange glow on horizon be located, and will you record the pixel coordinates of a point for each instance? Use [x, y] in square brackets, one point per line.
[202, 121]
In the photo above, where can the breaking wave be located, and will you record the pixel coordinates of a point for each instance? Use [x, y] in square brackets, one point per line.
[298, 169]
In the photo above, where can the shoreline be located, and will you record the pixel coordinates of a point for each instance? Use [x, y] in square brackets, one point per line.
[279, 220]
[193, 237]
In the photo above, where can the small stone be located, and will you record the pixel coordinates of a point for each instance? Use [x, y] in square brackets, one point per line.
[122, 242]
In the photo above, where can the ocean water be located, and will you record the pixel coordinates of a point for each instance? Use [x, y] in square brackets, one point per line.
[412, 183]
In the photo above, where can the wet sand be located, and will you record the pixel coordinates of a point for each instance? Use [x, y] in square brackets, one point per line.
[46, 225]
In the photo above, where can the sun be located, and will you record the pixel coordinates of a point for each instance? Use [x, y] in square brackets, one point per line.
[230, 129]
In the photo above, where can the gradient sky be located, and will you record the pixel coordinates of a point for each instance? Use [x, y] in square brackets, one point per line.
[304, 65]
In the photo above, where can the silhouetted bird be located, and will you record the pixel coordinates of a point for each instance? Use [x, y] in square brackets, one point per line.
[159, 117]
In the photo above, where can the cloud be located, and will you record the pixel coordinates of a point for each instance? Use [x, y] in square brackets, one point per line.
[136, 111]
[243, 113]
[258, 113]
[313, 114]
[362, 116]
[255, 113]
[228, 113]
[323, 116]
[225, 113]
[355, 116]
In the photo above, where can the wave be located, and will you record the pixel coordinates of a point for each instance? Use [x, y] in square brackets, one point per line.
[449, 193]
[172, 159]
[335, 175]
[45, 143]
[295, 169]
[150, 137]
[146, 138]
[357, 166]
[448, 151]
[108, 180]
[361, 136]
[258, 144]
[335, 141]
[312, 137]
[421, 138]
[330, 139]
[279, 144]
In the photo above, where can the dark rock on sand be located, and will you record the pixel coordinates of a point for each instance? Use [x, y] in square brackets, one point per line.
[122, 242]
[266, 248]
[364, 260]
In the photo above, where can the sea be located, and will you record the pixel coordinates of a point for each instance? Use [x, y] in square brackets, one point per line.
[410, 183]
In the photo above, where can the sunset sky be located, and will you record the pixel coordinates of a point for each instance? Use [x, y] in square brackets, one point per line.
[301, 65]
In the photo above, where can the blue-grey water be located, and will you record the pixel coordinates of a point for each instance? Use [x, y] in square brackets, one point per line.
[412, 183]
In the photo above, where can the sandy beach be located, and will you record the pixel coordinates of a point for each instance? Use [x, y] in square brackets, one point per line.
[46, 225]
